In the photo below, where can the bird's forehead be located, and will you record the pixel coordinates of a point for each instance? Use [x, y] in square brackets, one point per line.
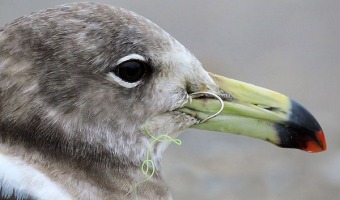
[132, 33]
[128, 33]
[154, 42]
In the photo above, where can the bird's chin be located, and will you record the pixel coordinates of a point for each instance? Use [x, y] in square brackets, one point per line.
[171, 123]
[256, 112]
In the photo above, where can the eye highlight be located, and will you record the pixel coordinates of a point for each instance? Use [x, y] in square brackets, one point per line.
[130, 71]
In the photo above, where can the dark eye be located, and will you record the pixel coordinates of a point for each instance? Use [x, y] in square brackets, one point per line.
[131, 71]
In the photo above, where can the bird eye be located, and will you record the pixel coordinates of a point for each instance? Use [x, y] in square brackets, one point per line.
[130, 71]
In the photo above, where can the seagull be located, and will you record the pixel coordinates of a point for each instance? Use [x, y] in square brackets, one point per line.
[91, 95]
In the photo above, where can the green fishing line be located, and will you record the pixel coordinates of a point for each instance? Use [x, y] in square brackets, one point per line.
[148, 163]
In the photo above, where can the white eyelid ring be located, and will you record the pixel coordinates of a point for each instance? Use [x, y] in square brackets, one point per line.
[218, 112]
[130, 57]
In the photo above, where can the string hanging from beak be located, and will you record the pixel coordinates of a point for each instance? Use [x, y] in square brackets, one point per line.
[148, 166]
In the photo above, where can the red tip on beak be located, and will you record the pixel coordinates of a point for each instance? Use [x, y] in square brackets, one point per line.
[317, 145]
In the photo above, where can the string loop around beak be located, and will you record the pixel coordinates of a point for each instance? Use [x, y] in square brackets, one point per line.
[217, 97]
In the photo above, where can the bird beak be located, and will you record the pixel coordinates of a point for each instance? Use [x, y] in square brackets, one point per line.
[259, 113]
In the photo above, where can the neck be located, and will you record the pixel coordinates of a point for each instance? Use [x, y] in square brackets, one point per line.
[86, 171]
[97, 181]
[81, 170]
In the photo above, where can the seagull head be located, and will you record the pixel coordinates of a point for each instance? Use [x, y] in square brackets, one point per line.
[89, 83]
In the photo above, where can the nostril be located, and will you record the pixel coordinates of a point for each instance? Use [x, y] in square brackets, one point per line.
[270, 108]
[267, 107]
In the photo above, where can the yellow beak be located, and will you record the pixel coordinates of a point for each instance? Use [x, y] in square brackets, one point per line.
[260, 113]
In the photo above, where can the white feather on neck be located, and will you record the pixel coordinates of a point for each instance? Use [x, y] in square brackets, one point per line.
[21, 179]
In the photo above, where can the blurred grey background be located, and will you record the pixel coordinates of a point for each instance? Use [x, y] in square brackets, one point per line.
[286, 45]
